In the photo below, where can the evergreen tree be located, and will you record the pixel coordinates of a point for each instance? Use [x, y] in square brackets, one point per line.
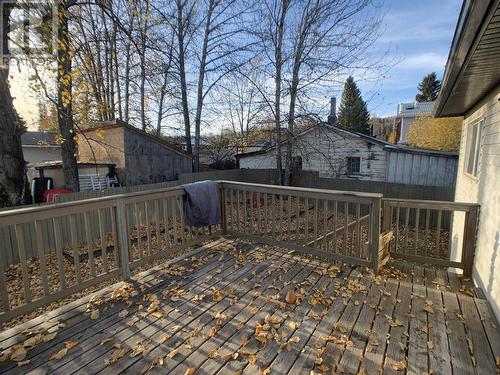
[429, 88]
[353, 112]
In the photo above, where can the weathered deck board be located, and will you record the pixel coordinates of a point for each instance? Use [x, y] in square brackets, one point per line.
[347, 319]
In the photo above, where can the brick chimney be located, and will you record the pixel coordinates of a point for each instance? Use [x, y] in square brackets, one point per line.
[332, 117]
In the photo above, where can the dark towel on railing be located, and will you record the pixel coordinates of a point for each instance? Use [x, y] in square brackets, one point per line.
[202, 204]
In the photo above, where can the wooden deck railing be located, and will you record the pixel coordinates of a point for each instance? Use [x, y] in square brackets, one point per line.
[422, 231]
[56, 250]
[333, 224]
[66, 247]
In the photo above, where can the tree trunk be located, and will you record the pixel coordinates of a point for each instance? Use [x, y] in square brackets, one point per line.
[64, 100]
[13, 181]
[201, 79]
[182, 74]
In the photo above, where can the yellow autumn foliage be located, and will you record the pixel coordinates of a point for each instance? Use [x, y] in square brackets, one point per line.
[441, 134]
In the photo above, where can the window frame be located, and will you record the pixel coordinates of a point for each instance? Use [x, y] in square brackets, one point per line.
[350, 171]
[473, 148]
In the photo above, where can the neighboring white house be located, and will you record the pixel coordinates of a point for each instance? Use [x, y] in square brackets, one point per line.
[40, 147]
[338, 153]
[471, 88]
[407, 114]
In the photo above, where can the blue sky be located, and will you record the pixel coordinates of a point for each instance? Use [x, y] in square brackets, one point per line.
[419, 34]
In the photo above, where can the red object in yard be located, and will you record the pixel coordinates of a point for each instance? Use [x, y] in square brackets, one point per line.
[49, 196]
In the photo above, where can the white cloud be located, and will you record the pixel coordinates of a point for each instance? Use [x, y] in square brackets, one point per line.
[426, 61]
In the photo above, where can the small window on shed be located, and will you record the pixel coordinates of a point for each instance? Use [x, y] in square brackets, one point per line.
[353, 165]
[297, 163]
[473, 144]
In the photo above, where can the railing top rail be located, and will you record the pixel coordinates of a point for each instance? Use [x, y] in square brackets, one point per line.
[84, 202]
[343, 193]
[438, 205]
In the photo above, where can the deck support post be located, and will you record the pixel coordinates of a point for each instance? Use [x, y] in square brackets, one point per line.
[469, 240]
[122, 232]
[375, 232]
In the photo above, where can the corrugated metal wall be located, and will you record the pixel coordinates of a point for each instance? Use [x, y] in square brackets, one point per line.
[421, 169]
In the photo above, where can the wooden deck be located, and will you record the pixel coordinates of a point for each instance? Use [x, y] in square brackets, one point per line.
[223, 309]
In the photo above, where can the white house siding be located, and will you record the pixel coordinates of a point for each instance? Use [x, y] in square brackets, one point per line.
[483, 190]
[326, 151]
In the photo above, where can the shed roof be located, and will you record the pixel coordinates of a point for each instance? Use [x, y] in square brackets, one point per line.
[122, 124]
[40, 139]
[472, 70]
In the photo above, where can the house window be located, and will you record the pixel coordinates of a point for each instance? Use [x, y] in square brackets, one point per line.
[353, 165]
[297, 163]
[473, 144]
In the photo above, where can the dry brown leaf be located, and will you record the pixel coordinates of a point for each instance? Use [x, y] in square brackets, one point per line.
[173, 353]
[23, 363]
[105, 341]
[165, 339]
[49, 337]
[18, 354]
[94, 314]
[70, 344]
[123, 313]
[190, 371]
[430, 345]
[217, 295]
[398, 366]
[214, 353]
[59, 355]
[115, 357]
[213, 331]
[291, 297]
[158, 361]
[294, 325]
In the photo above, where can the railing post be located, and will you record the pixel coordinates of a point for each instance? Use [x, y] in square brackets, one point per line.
[223, 207]
[375, 231]
[122, 232]
[386, 220]
[469, 240]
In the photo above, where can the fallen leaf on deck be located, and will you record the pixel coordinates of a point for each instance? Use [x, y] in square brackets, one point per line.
[190, 371]
[173, 353]
[217, 295]
[49, 337]
[59, 355]
[123, 313]
[23, 363]
[165, 339]
[398, 366]
[115, 357]
[70, 344]
[291, 297]
[94, 315]
[158, 361]
[430, 345]
[105, 341]
[18, 354]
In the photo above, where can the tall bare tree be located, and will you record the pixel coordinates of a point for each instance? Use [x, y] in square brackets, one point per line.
[13, 182]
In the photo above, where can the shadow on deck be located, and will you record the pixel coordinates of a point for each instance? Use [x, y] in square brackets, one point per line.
[239, 307]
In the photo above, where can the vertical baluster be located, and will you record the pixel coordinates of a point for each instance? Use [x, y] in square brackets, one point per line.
[175, 224]
[166, 234]
[41, 257]
[104, 249]
[259, 223]
[74, 245]
[183, 236]
[426, 239]
[316, 214]
[231, 198]
[407, 229]
[289, 223]
[114, 230]
[334, 240]
[306, 225]
[148, 225]
[281, 218]
[238, 223]
[266, 214]
[297, 218]
[346, 226]
[417, 225]
[90, 245]
[56, 222]
[358, 230]
[157, 223]
[396, 246]
[4, 297]
[24, 265]
[273, 214]
[245, 225]
[438, 235]
[325, 230]
[138, 225]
